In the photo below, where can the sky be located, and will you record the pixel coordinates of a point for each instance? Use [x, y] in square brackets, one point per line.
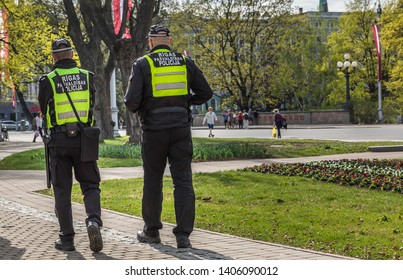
[312, 5]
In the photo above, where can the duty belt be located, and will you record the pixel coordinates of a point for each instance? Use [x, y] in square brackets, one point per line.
[63, 128]
[174, 109]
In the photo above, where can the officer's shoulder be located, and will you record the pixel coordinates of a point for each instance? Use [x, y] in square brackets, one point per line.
[43, 78]
[89, 72]
[139, 59]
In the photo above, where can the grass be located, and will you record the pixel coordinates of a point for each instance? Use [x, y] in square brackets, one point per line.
[116, 153]
[293, 211]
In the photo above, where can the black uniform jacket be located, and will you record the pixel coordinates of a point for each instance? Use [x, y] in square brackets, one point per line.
[153, 112]
[45, 96]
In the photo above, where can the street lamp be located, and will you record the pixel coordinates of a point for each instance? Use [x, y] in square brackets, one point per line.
[347, 68]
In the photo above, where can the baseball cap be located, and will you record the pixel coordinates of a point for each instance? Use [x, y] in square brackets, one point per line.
[158, 31]
[61, 45]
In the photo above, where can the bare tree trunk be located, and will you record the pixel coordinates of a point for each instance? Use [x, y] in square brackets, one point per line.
[128, 49]
[97, 20]
[92, 58]
[24, 107]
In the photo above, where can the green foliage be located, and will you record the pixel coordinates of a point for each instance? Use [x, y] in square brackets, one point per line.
[29, 39]
[122, 151]
[377, 174]
[300, 80]
[228, 152]
[236, 45]
[355, 37]
[392, 41]
[116, 153]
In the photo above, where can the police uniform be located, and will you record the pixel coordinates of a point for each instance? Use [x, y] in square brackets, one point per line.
[159, 90]
[64, 151]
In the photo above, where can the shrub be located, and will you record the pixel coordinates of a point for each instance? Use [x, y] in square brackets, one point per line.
[227, 151]
[373, 174]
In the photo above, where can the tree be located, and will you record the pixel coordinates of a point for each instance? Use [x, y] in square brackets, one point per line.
[392, 43]
[355, 37]
[101, 49]
[300, 81]
[28, 43]
[236, 43]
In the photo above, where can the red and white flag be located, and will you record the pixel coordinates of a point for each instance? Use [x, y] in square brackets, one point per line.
[378, 50]
[117, 15]
[13, 100]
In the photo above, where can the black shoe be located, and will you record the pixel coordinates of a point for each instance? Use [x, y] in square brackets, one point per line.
[94, 234]
[64, 246]
[143, 238]
[183, 241]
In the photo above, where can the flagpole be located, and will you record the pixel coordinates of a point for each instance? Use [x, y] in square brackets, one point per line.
[380, 114]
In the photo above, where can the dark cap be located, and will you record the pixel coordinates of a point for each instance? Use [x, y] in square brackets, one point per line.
[61, 45]
[158, 31]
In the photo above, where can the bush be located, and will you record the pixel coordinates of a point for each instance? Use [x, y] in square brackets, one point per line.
[227, 151]
[377, 174]
[120, 151]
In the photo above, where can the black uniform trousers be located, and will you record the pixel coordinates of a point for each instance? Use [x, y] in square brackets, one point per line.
[174, 144]
[62, 161]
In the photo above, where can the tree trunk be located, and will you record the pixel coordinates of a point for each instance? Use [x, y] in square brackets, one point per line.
[128, 50]
[97, 20]
[92, 58]
[24, 107]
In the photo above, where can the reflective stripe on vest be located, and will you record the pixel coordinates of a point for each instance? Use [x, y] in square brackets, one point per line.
[168, 73]
[76, 82]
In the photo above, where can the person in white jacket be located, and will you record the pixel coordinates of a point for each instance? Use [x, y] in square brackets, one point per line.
[210, 118]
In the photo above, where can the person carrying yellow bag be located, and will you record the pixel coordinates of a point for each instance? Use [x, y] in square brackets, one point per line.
[274, 132]
[279, 122]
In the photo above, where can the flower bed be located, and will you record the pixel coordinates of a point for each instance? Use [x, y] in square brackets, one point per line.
[372, 174]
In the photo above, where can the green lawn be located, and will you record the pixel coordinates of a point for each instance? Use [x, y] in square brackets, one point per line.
[116, 153]
[294, 211]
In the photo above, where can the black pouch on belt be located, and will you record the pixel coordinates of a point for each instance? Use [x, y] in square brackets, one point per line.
[72, 129]
[90, 143]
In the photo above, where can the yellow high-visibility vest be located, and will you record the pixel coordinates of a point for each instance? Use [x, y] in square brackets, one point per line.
[77, 84]
[168, 73]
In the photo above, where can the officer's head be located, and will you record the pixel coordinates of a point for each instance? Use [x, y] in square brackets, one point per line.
[159, 35]
[61, 49]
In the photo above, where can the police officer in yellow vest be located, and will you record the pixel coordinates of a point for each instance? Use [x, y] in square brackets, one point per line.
[64, 147]
[160, 91]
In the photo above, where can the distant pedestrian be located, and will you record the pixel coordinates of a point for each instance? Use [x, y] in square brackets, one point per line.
[38, 126]
[245, 119]
[278, 122]
[250, 116]
[255, 117]
[231, 120]
[120, 123]
[225, 116]
[210, 118]
[240, 120]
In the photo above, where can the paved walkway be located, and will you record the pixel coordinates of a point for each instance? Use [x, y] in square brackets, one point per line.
[28, 226]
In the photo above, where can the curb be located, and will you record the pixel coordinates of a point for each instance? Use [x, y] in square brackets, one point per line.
[379, 149]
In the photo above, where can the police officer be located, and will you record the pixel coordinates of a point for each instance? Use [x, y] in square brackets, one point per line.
[64, 146]
[159, 89]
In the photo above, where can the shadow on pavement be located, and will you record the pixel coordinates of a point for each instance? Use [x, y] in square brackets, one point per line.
[190, 253]
[8, 252]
